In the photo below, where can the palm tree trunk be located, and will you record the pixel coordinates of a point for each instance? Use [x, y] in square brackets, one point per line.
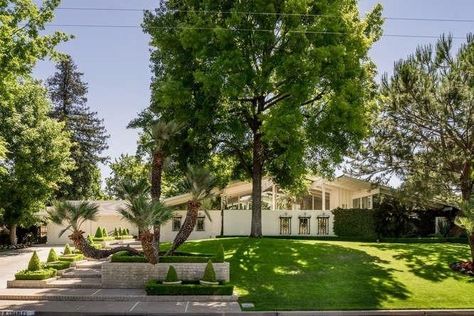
[156, 173]
[188, 226]
[149, 249]
[81, 243]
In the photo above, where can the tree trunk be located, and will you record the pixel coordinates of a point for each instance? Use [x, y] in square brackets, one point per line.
[13, 239]
[149, 246]
[156, 173]
[257, 173]
[188, 226]
[81, 243]
[471, 244]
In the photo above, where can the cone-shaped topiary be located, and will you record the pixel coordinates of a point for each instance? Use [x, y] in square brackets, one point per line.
[120, 231]
[98, 233]
[171, 276]
[220, 255]
[127, 231]
[34, 264]
[209, 273]
[116, 234]
[52, 256]
[67, 250]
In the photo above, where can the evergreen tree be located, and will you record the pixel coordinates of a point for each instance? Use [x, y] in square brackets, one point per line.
[68, 92]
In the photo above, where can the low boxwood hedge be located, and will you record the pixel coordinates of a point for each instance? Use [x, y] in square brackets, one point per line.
[35, 275]
[58, 265]
[153, 287]
[178, 257]
[123, 237]
[100, 239]
[72, 257]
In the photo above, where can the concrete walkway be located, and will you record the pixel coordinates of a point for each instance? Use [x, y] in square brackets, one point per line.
[12, 261]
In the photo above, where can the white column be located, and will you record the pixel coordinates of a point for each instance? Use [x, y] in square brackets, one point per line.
[274, 197]
[323, 192]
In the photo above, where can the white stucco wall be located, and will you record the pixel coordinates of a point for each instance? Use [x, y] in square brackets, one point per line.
[238, 222]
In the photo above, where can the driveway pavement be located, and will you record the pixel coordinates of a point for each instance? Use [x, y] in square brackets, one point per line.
[12, 261]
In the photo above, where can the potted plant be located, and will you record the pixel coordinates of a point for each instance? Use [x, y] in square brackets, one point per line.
[209, 277]
[172, 276]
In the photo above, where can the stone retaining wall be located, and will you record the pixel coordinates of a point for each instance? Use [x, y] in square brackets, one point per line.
[131, 275]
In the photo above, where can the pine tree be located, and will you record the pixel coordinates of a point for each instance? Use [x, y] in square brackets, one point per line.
[68, 93]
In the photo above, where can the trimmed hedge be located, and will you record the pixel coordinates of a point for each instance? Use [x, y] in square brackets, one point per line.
[72, 257]
[152, 287]
[181, 257]
[35, 263]
[35, 275]
[58, 265]
[354, 223]
[124, 237]
[109, 238]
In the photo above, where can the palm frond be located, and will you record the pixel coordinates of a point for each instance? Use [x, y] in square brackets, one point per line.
[200, 182]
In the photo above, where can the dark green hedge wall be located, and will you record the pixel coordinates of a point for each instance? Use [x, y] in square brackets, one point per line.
[354, 223]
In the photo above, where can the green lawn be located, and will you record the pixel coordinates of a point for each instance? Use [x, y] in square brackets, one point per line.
[279, 274]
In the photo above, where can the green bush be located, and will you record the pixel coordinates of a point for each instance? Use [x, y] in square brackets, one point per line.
[98, 233]
[209, 273]
[52, 256]
[35, 263]
[354, 223]
[220, 255]
[123, 237]
[127, 231]
[67, 250]
[181, 257]
[35, 275]
[171, 276]
[100, 239]
[124, 256]
[116, 233]
[90, 239]
[97, 246]
[152, 287]
[104, 232]
[71, 257]
[58, 265]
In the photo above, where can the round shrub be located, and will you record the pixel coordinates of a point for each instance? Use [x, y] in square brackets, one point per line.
[35, 263]
[67, 250]
[171, 276]
[209, 273]
[52, 256]
[98, 233]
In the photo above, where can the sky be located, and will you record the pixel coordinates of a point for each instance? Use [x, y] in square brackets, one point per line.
[115, 61]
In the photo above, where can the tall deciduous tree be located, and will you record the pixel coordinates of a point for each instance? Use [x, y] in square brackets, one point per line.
[126, 168]
[283, 86]
[425, 130]
[88, 134]
[37, 160]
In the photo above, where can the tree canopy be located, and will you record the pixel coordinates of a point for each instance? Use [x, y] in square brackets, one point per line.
[283, 87]
[423, 133]
[68, 92]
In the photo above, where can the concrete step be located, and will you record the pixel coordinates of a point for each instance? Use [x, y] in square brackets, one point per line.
[88, 264]
[82, 273]
[76, 283]
[110, 295]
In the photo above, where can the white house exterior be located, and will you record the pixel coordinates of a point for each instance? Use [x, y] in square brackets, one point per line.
[281, 215]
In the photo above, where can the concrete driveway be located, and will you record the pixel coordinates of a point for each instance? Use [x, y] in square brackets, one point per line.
[12, 261]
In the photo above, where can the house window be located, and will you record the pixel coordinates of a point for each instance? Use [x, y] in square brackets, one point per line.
[323, 225]
[356, 203]
[328, 201]
[176, 223]
[365, 202]
[306, 202]
[200, 223]
[304, 227]
[285, 225]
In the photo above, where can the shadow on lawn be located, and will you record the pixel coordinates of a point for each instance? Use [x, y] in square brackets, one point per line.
[294, 274]
[428, 261]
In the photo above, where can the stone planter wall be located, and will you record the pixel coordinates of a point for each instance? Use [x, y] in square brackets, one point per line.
[133, 275]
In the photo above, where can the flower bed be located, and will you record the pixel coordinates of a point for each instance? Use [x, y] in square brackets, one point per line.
[154, 287]
[465, 267]
[35, 275]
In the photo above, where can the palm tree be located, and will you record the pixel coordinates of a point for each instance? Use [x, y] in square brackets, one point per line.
[200, 183]
[466, 220]
[146, 213]
[73, 215]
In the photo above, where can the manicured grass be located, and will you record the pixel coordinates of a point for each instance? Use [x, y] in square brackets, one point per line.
[277, 274]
